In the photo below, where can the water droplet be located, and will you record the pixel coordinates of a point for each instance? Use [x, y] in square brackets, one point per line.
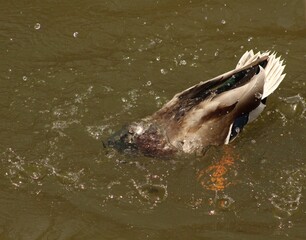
[37, 26]
[149, 83]
[216, 53]
[250, 39]
[24, 78]
[167, 26]
[163, 71]
[258, 95]
[183, 62]
[223, 21]
[158, 58]
[212, 212]
[124, 100]
[237, 129]
[195, 57]
[75, 34]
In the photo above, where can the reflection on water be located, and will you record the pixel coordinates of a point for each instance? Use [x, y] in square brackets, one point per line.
[218, 173]
[73, 74]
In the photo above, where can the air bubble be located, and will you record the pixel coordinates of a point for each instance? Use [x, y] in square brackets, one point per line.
[223, 21]
[24, 78]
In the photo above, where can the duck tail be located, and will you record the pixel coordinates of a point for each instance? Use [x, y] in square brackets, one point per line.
[273, 70]
[274, 74]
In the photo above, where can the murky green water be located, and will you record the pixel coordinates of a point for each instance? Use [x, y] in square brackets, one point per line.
[72, 72]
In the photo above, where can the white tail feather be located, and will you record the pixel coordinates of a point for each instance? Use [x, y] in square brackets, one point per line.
[273, 70]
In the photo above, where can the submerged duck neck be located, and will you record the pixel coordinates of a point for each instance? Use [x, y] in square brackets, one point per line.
[142, 137]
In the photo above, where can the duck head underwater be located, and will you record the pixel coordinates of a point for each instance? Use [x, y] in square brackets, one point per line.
[209, 113]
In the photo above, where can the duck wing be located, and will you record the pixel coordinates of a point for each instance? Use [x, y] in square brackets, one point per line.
[213, 112]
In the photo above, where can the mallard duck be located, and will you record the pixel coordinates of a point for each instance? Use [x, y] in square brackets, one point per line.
[209, 113]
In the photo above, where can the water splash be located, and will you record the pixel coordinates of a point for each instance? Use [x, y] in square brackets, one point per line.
[221, 202]
[282, 116]
[20, 171]
[153, 190]
[33, 173]
[297, 104]
[151, 44]
[287, 198]
[97, 132]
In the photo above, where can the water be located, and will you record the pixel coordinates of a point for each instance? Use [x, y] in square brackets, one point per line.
[72, 73]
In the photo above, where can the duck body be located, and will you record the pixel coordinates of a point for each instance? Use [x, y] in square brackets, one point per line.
[210, 113]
